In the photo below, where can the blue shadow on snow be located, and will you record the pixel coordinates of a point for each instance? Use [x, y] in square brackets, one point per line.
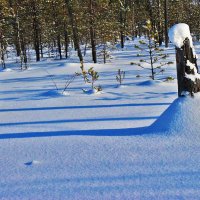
[159, 127]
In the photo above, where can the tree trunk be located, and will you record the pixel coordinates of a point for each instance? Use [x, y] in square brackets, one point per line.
[160, 31]
[66, 43]
[17, 46]
[133, 21]
[36, 31]
[74, 29]
[41, 47]
[2, 53]
[121, 28]
[59, 47]
[2, 49]
[122, 39]
[15, 29]
[22, 46]
[23, 54]
[92, 33]
[37, 46]
[150, 10]
[85, 49]
[166, 24]
[104, 53]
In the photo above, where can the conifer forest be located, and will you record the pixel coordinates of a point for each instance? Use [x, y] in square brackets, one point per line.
[56, 24]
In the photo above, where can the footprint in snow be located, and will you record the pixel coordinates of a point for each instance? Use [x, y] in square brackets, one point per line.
[33, 162]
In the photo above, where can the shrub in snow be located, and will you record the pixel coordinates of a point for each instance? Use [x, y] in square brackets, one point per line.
[120, 76]
[90, 76]
[155, 54]
[169, 78]
[138, 76]
[93, 76]
[104, 53]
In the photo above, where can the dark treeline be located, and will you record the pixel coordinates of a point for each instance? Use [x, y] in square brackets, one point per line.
[54, 24]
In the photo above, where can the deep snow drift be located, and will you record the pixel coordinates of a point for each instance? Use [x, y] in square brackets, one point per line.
[182, 116]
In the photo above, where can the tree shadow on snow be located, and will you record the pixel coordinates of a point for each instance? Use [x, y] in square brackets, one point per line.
[160, 127]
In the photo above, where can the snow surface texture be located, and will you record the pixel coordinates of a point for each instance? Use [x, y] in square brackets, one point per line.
[136, 142]
[178, 33]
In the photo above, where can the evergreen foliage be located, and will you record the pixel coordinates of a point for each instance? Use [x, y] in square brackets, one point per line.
[154, 52]
[90, 76]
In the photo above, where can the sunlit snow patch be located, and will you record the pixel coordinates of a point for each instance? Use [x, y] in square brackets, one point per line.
[121, 86]
[55, 93]
[65, 93]
[149, 83]
[7, 70]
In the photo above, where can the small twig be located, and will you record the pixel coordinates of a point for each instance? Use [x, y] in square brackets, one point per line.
[51, 77]
[68, 82]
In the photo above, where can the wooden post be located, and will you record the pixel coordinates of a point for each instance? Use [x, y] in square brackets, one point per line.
[180, 67]
[185, 55]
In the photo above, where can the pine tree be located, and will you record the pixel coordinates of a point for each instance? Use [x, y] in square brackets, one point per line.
[155, 54]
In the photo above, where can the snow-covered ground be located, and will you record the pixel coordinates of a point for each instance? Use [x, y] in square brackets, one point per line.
[132, 142]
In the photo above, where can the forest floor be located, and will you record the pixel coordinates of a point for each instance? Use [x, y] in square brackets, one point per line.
[136, 141]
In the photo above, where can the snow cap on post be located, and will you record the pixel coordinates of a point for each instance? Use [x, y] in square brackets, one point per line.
[178, 33]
